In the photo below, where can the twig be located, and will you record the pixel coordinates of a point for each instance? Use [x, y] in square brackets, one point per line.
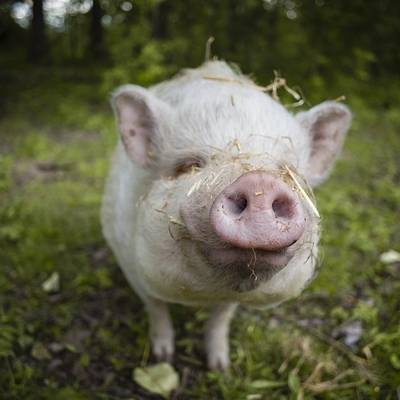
[358, 361]
[184, 381]
[330, 386]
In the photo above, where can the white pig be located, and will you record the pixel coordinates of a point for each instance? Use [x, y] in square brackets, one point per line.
[203, 204]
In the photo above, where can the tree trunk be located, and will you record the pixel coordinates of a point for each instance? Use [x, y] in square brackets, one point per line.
[160, 20]
[96, 31]
[38, 45]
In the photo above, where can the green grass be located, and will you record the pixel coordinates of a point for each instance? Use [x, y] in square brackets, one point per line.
[84, 341]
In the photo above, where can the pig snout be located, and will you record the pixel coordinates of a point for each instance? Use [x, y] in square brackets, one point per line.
[258, 211]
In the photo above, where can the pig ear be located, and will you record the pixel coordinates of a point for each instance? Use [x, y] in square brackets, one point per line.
[327, 125]
[139, 115]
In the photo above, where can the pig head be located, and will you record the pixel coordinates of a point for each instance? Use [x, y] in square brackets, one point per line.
[208, 201]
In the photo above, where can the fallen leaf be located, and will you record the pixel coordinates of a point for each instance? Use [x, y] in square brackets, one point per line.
[159, 378]
[390, 257]
[52, 284]
[40, 352]
[350, 333]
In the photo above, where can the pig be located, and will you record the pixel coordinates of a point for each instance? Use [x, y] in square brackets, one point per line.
[206, 200]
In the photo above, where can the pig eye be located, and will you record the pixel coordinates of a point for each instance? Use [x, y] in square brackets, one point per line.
[187, 166]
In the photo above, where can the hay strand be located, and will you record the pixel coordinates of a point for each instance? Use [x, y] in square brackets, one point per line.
[302, 191]
[209, 42]
[340, 98]
[273, 87]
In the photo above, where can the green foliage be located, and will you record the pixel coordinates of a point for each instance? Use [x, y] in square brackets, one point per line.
[146, 69]
[327, 48]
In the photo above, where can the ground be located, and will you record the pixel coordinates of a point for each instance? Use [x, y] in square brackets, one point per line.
[339, 340]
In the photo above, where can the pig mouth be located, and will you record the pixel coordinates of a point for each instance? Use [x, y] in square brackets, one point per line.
[250, 258]
[245, 269]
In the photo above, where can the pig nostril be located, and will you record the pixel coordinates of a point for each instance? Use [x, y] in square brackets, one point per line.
[283, 208]
[236, 204]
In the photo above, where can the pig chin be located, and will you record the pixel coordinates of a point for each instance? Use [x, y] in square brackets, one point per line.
[245, 269]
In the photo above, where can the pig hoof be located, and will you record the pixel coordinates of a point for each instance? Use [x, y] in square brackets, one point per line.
[163, 349]
[218, 361]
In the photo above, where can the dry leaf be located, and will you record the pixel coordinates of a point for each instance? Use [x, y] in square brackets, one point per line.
[52, 284]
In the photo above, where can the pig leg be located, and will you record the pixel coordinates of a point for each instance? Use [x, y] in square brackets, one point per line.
[161, 329]
[217, 336]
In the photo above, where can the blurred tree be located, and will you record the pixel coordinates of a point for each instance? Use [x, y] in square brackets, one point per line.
[323, 44]
[38, 42]
[6, 21]
[96, 43]
[160, 20]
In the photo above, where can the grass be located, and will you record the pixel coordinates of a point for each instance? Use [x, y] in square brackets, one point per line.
[83, 341]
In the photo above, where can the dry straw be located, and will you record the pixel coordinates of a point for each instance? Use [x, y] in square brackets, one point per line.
[302, 191]
[272, 88]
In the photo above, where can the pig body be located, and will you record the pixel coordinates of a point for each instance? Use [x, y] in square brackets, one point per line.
[199, 206]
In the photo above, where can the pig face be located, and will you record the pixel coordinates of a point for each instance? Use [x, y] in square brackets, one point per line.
[224, 197]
